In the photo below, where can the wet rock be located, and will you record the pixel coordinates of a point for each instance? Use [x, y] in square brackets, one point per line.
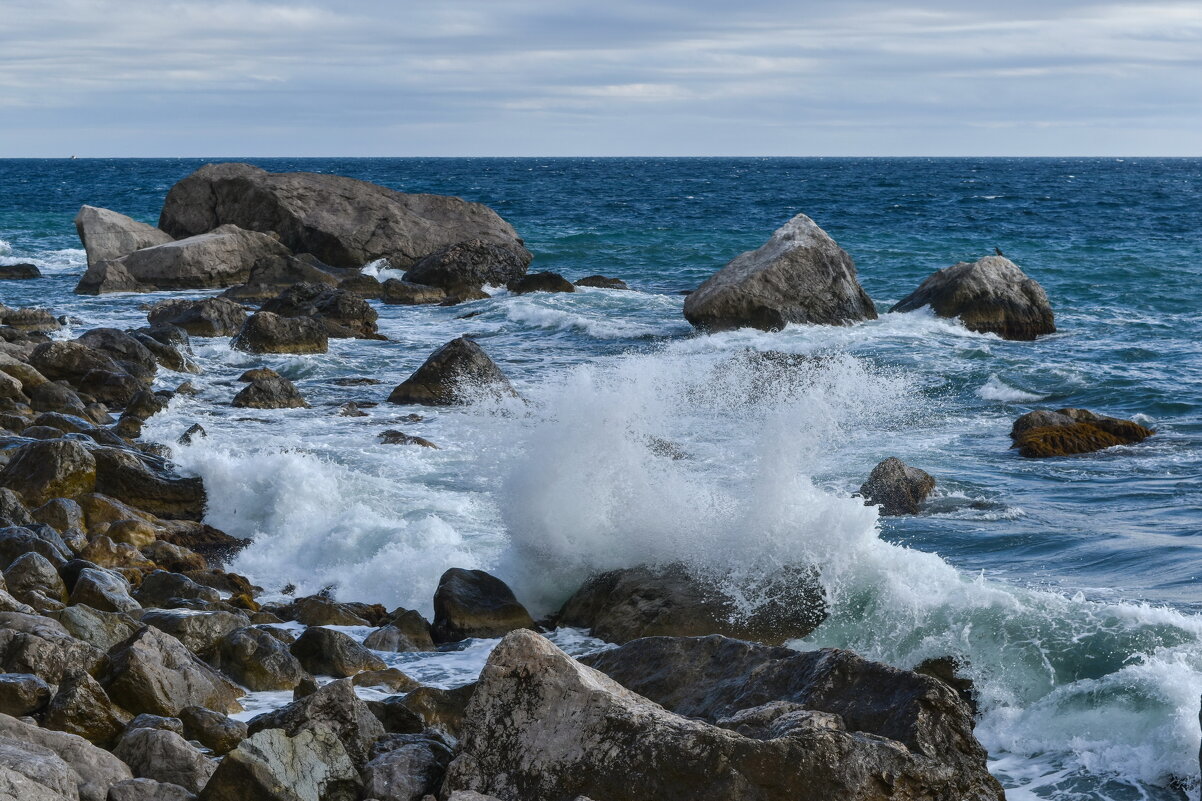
[799, 276]
[153, 672]
[272, 392]
[407, 631]
[22, 694]
[102, 630]
[104, 591]
[19, 272]
[341, 221]
[41, 646]
[106, 234]
[318, 610]
[409, 768]
[94, 769]
[29, 320]
[160, 588]
[149, 484]
[473, 263]
[627, 604]
[454, 374]
[947, 669]
[82, 707]
[541, 282]
[471, 603]
[165, 757]
[196, 430]
[396, 437]
[148, 790]
[351, 409]
[601, 282]
[264, 332]
[896, 487]
[13, 509]
[42, 471]
[198, 631]
[177, 358]
[208, 317]
[334, 707]
[1042, 434]
[173, 557]
[258, 660]
[130, 355]
[393, 680]
[212, 730]
[405, 293]
[62, 514]
[271, 279]
[16, 542]
[33, 580]
[54, 396]
[271, 766]
[343, 314]
[326, 652]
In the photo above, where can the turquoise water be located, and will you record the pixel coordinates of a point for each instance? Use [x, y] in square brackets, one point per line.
[1070, 586]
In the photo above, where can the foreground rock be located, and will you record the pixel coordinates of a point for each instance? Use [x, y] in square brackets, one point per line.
[1064, 432]
[343, 314]
[990, 296]
[627, 604]
[90, 771]
[456, 373]
[265, 332]
[896, 487]
[334, 707]
[272, 766]
[210, 317]
[19, 272]
[799, 276]
[270, 392]
[108, 235]
[341, 221]
[474, 263]
[153, 672]
[471, 603]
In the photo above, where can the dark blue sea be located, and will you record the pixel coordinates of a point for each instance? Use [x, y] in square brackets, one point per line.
[1069, 588]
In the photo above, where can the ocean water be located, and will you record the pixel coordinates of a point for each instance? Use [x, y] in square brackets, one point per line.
[1069, 587]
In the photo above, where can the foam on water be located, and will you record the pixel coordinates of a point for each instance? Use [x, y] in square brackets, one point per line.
[997, 389]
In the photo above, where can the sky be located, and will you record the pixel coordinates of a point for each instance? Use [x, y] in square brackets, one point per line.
[610, 78]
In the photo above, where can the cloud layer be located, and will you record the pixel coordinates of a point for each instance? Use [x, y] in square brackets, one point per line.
[548, 77]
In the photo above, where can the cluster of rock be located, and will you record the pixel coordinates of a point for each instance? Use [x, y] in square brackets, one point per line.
[1065, 432]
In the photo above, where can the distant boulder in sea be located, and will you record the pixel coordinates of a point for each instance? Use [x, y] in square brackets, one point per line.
[800, 275]
[1064, 432]
[990, 296]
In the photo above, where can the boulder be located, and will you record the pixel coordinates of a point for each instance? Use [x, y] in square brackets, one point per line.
[1064, 432]
[258, 660]
[343, 314]
[405, 293]
[471, 603]
[101, 630]
[326, 652]
[221, 257]
[541, 282]
[208, 317]
[406, 631]
[431, 708]
[29, 321]
[148, 790]
[896, 487]
[602, 282]
[104, 591]
[454, 374]
[81, 706]
[363, 286]
[269, 280]
[165, 757]
[25, 373]
[19, 272]
[341, 221]
[95, 769]
[405, 768]
[318, 610]
[393, 680]
[798, 276]
[198, 631]
[473, 263]
[153, 672]
[41, 646]
[148, 483]
[212, 729]
[334, 707]
[32, 579]
[272, 766]
[130, 355]
[626, 604]
[161, 588]
[270, 392]
[264, 332]
[393, 436]
[56, 396]
[108, 235]
[13, 509]
[991, 296]
[16, 542]
[22, 694]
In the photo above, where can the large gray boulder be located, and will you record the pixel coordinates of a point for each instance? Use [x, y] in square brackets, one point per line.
[222, 257]
[991, 296]
[454, 374]
[800, 275]
[108, 235]
[273, 766]
[30, 772]
[95, 769]
[341, 221]
[165, 757]
[153, 672]
[333, 707]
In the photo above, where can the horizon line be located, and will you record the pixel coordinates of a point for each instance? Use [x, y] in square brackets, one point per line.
[610, 157]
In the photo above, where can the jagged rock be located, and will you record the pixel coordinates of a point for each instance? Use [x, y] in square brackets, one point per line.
[165, 757]
[104, 591]
[602, 282]
[106, 234]
[264, 332]
[454, 374]
[394, 437]
[626, 604]
[341, 221]
[472, 263]
[318, 610]
[149, 484]
[212, 729]
[95, 770]
[62, 514]
[405, 768]
[258, 660]
[33, 580]
[326, 652]
[41, 646]
[198, 631]
[13, 509]
[29, 321]
[798, 276]
[19, 272]
[208, 317]
[1040, 434]
[160, 588]
[363, 286]
[213, 544]
[271, 766]
[42, 471]
[434, 709]
[271, 392]
[15, 542]
[896, 487]
[148, 790]
[343, 314]
[11, 604]
[407, 631]
[405, 293]
[334, 707]
[22, 694]
[541, 282]
[81, 706]
[154, 672]
[471, 603]
[148, 721]
[130, 355]
[100, 629]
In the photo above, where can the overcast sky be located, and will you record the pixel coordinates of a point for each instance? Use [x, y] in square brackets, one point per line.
[608, 77]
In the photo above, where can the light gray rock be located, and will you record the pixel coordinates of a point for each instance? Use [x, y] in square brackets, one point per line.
[165, 757]
[106, 234]
[104, 591]
[406, 768]
[96, 769]
[29, 772]
[22, 694]
[272, 766]
[198, 631]
[153, 672]
[334, 707]
[100, 629]
[41, 646]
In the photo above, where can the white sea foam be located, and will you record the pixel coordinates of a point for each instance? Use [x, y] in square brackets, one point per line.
[997, 389]
[5, 247]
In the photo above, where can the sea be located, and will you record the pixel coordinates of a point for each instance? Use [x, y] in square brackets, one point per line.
[1069, 589]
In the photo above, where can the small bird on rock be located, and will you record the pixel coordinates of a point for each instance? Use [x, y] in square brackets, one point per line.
[998, 251]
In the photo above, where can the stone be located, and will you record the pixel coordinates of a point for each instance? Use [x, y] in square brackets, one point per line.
[25, 373]
[104, 591]
[363, 286]
[990, 296]
[108, 235]
[32, 579]
[212, 729]
[268, 281]
[13, 509]
[207, 317]
[798, 276]
[148, 790]
[102, 630]
[103, 552]
[410, 768]
[258, 660]
[154, 672]
[62, 514]
[82, 707]
[473, 263]
[343, 314]
[541, 282]
[148, 483]
[220, 257]
[130, 355]
[272, 392]
[326, 652]
[95, 769]
[195, 431]
[56, 396]
[318, 610]
[626, 604]
[16, 542]
[394, 436]
[402, 636]
[138, 533]
[394, 680]
[454, 374]
[601, 282]
[897, 488]
[42, 471]
[405, 293]
[198, 631]
[29, 321]
[334, 707]
[264, 332]
[471, 603]
[177, 358]
[1065, 432]
[160, 588]
[42, 646]
[165, 757]
[30, 772]
[11, 388]
[19, 272]
[272, 766]
[341, 221]
[213, 544]
[436, 709]
[148, 721]
[22, 694]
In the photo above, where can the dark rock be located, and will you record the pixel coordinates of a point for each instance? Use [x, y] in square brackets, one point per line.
[198, 631]
[454, 374]
[601, 282]
[363, 286]
[318, 610]
[273, 392]
[54, 396]
[393, 680]
[265, 282]
[212, 729]
[265, 332]
[947, 670]
[148, 484]
[407, 632]
[343, 314]
[29, 321]
[272, 766]
[407, 768]
[258, 660]
[991, 295]
[154, 672]
[165, 756]
[335, 707]
[22, 694]
[41, 646]
[130, 355]
[405, 293]
[896, 487]
[541, 282]
[104, 591]
[19, 272]
[472, 263]
[1041, 434]
[195, 430]
[160, 587]
[799, 276]
[101, 630]
[108, 235]
[13, 509]
[208, 317]
[394, 437]
[471, 603]
[16, 542]
[148, 721]
[351, 409]
[82, 707]
[326, 652]
[436, 710]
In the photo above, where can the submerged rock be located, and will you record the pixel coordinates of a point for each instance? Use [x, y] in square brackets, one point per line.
[454, 374]
[541, 282]
[106, 234]
[991, 296]
[798, 276]
[602, 282]
[264, 332]
[896, 487]
[473, 263]
[1064, 432]
[471, 603]
[396, 437]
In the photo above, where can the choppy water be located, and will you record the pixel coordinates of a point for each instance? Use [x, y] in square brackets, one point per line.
[1070, 586]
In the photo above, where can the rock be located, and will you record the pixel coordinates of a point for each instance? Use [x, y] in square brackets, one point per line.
[153, 672]
[409, 633]
[541, 282]
[16, 542]
[396, 437]
[22, 694]
[627, 604]
[946, 670]
[102, 630]
[103, 552]
[404, 293]
[196, 430]
[71, 361]
[334, 707]
[1041, 434]
[990, 296]
[208, 317]
[394, 680]
[896, 487]
[269, 281]
[62, 514]
[198, 631]
[148, 790]
[41, 646]
[108, 235]
[130, 355]
[165, 757]
[273, 392]
[42, 471]
[471, 603]
[148, 483]
[410, 768]
[438, 710]
[326, 652]
[160, 588]
[55, 396]
[138, 533]
[265, 332]
[82, 707]
[601, 282]
[799, 276]
[341, 221]
[19, 272]
[29, 321]
[33, 580]
[104, 591]
[472, 263]
[222, 257]
[363, 286]
[258, 660]
[213, 544]
[212, 730]
[95, 769]
[173, 357]
[148, 721]
[454, 374]
[343, 314]
[318, 610]
[13, 509]
[351, 409]
[26, 374]
[11, 604]
[271, 766]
